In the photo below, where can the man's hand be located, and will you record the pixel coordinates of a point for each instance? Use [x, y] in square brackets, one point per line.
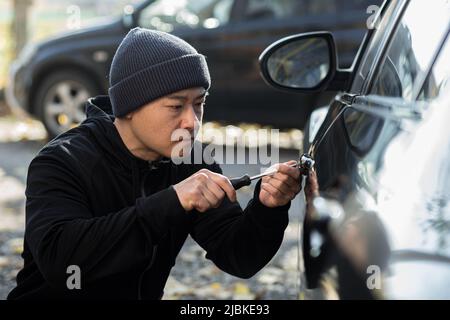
[312, 186]
[204, 190]
[277, 190]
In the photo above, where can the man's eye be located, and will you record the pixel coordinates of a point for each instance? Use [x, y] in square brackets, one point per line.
[176, 107]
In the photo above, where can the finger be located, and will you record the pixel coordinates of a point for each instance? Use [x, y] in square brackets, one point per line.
[275, 186]
[202, 205]
[290, 181]
[274, 192]
[212, 199]
[269, 199]
[280, 185]
[225, 184]
[295, 185]
[290, 171]
[215, 190]
[312, 185]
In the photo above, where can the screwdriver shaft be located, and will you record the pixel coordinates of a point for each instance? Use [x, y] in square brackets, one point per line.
[305, 163]
[270, 172]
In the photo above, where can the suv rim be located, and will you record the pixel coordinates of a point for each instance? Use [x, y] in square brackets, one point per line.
[64, 105]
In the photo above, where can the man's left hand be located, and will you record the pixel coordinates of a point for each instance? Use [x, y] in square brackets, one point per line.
[280, 188]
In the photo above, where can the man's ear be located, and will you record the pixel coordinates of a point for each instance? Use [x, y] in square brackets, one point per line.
[129, 116]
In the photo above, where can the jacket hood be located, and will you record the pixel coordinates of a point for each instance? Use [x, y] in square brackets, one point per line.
[99, 106]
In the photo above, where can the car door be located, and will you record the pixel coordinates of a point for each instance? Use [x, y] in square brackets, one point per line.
[414, 195]
[350, 147]
[369, 52]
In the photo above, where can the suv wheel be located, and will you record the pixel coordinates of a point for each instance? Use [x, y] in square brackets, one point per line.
[60, 100]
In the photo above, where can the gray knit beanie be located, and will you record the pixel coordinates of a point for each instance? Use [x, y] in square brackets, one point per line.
[151, 64]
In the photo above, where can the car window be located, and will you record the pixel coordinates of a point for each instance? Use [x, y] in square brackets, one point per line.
[167, 15]
[362, 130]
[439, 78]
[257, 9]
[412, 48]
[377, 38]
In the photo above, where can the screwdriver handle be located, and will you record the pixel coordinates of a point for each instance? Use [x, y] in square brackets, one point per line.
[241, 182]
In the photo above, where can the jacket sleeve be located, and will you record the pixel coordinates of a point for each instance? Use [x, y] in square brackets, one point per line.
[61, 231]
[241, 242]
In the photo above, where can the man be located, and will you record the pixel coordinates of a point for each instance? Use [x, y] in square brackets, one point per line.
[104, 201]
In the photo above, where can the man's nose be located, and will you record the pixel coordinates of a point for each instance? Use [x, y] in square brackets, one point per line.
[190, 120]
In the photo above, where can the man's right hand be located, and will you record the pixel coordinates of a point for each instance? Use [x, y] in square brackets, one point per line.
[204, 190]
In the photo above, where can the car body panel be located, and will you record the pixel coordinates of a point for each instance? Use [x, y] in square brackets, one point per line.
[385, 162]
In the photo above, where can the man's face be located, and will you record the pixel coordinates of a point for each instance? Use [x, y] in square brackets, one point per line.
[155, 123]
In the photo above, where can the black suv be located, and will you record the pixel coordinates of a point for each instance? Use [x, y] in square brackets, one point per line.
[379, 226]
[53, 79]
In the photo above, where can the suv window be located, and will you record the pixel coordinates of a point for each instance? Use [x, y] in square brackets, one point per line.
[439, 78]
[412, 48]
[167, 15]
[257, 9]
[376, 40]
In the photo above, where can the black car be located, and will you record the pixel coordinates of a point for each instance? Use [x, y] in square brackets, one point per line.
[53, 79]
[380, 225]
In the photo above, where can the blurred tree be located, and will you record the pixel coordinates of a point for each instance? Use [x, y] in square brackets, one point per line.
[19, 25]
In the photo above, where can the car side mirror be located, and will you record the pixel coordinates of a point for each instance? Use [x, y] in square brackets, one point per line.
[303, 63]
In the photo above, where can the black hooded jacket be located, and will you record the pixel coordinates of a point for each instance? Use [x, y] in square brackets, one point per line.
[92, 204]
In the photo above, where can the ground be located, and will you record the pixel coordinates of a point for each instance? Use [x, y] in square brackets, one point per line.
[193, 276]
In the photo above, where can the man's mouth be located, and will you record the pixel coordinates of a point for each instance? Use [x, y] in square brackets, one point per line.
[191, 141]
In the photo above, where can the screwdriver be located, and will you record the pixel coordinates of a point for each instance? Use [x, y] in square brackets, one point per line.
[306, 163]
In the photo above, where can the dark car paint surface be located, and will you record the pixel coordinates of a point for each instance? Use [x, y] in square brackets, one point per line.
[378, 155]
